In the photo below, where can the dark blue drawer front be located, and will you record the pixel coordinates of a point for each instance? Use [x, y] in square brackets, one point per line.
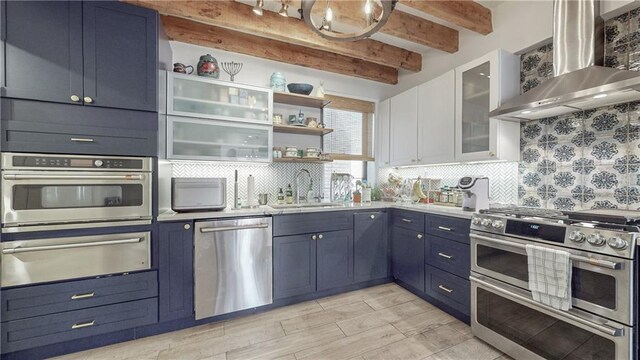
[45, 330]
[41, 300]
[409, 220]
[447, 255]
[448, 288]
[449, 227]
[312, 223]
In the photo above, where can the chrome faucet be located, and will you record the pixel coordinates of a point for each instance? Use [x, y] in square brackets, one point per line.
[304, 196]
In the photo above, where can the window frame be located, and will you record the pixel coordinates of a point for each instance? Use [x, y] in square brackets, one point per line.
[367, 109]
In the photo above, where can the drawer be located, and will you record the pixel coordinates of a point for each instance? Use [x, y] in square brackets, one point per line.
[41, 300]
[448, 288]
[449, 227]
[49, 329]
[409, 220]
[447, 255]
[284, 225]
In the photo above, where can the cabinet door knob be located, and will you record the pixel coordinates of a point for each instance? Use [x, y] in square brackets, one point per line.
[187, 226]
[372, 216]
[419, 236]
[88, 100]
[313, 237]
[75, 98]
[320, 236]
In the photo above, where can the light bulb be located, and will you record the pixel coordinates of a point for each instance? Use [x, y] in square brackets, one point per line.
[367, 7]
[329, 15]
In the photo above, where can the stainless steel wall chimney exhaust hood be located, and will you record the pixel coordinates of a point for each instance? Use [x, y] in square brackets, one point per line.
[580, 82]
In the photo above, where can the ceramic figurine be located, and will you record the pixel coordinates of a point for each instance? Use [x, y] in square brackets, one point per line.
[278, 82]
[320, 90]
[208, 66]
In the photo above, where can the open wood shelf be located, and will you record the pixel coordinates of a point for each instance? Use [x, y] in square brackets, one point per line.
[301, 160]
[300, 100]
[302, 130]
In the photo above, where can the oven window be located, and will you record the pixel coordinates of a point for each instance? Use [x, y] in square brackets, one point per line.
[595, 288]
[539, 333]
[503, 262]
[42, 197]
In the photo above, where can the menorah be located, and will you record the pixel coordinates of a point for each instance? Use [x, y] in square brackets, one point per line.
[232, 68]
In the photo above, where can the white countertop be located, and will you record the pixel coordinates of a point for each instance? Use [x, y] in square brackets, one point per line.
[268, 211]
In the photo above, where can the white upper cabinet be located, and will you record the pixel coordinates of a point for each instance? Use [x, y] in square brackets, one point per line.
[403, 125]
[481, 86]
[382, 133]
[436, 112]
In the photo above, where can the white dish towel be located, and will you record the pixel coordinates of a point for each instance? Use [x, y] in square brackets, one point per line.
[550, 276]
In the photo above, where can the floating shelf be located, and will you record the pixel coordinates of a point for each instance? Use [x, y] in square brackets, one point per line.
[300, 100]
[301, 160]
[303, 130]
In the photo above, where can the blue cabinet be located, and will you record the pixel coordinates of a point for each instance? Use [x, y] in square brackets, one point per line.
[175, 270]
[451, 290]
[93, 53]
[294, 265]
[334, 259]
[370, 246]
[407, 253]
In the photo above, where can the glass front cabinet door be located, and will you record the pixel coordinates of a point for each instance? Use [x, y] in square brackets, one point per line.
[205, 139]
[200, 97]
[481, 86]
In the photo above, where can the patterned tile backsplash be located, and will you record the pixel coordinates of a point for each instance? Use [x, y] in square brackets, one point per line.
[503, 177]
[587, 159]
[268, 179]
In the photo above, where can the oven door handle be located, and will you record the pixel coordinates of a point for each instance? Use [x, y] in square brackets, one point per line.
[605, 329]
[18, 250]
[70, 177]
[602, 263]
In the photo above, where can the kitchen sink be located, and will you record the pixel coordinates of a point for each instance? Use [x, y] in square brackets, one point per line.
[307, 205]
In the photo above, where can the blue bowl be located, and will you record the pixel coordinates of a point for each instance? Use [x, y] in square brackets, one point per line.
[304, 89]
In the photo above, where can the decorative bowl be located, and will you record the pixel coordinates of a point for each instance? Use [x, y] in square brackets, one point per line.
[304, 89]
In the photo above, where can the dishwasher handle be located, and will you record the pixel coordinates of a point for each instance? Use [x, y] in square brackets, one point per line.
[233, 228]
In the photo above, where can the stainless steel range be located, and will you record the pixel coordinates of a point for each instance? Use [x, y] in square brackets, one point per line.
[602, 245]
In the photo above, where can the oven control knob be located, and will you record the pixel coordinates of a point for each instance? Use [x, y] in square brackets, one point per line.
[576, 236]
[98, 163]
[485, 222]
[497, 224]
[475, 221]
[596, 239]
[617, 243]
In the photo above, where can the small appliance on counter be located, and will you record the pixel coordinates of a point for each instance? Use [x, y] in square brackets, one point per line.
[475, 193]
[198, 194]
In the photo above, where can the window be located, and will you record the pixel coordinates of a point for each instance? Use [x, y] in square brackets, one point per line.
[351, 142]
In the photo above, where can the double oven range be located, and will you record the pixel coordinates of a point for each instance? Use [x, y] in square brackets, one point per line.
[73, 216]
[602, 323]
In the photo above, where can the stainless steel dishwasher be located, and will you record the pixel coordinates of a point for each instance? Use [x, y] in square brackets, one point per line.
[232, 265]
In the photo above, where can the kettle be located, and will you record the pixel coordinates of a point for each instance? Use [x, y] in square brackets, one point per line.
[208, 66]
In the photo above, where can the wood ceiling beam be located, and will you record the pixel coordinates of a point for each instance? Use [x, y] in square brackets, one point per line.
[400, 24]
[467, 14]
[197, 33]
[239, 17]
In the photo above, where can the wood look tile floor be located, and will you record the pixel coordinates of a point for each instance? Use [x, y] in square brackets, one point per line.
[382, 322]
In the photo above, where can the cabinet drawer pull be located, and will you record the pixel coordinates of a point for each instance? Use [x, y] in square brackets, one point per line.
[81, 139]
[83, 325]
[449, 257]
[445, 289]
[407, 221]
[83, 296]
[445, 228]
[419, 236]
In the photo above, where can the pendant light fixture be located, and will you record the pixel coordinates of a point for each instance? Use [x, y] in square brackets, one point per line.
[284, 10]
[374, 19]
[258, 8]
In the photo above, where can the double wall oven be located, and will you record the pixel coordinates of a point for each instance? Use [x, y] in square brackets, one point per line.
[601, 323]
[54, 196]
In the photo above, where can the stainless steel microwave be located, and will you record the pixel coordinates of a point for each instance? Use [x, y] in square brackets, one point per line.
[198, 194]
